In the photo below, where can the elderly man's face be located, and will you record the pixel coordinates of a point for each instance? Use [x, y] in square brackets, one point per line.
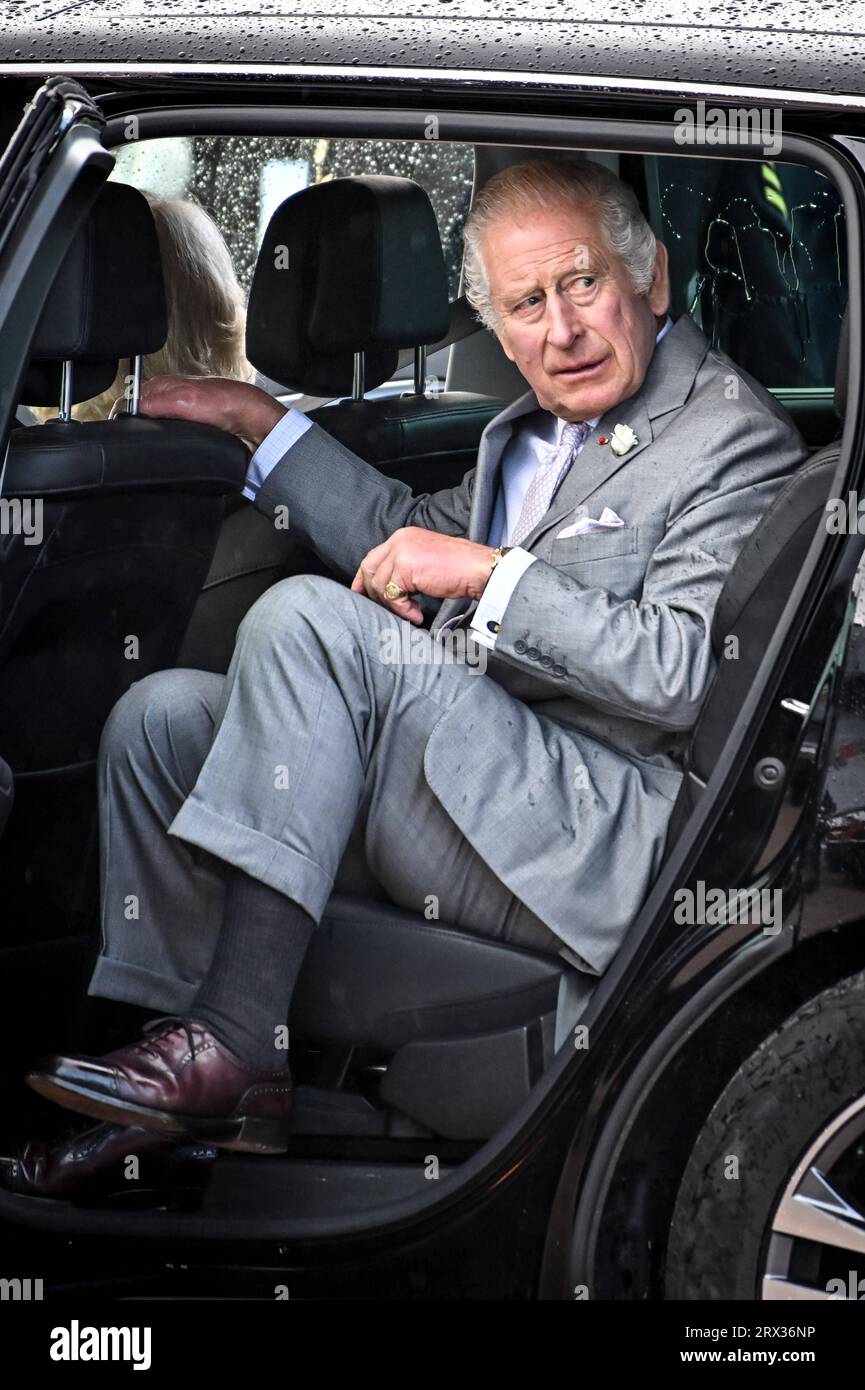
[568, 315]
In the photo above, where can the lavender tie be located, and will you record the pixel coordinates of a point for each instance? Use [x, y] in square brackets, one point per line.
[548, 477]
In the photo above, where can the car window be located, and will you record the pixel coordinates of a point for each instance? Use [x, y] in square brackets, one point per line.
[240, 180]
[757, 256]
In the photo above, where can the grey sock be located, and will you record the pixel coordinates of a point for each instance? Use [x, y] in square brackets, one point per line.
[246, 993]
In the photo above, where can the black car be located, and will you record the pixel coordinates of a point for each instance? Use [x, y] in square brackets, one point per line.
[700, 1134]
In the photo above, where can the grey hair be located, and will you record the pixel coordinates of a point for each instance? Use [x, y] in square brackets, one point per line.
[538, 183]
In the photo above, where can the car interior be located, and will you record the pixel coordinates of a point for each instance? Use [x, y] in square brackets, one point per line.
[408, 1035]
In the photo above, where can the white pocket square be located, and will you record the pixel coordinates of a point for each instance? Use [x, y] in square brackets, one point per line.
[607, 521]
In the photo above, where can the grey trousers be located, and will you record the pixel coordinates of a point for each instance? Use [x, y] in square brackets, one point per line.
[303, 767]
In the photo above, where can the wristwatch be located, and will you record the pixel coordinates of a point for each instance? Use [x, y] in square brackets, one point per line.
[499, 551]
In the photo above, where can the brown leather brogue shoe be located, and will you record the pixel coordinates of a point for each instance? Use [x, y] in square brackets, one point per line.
[179, 1079]
[91, 1165]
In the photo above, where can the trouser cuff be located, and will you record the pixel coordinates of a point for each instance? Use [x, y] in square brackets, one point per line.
[132, 984]
[256, 854]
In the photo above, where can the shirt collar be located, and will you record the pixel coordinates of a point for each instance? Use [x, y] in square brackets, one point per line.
[560, 423]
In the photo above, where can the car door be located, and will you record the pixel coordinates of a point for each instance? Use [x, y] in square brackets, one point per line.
[6, 792]
[50, 172]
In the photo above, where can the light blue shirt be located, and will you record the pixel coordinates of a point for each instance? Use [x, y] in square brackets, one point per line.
[536, 433]
[273, 448]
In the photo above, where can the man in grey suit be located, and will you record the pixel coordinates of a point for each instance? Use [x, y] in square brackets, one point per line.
[524, 789]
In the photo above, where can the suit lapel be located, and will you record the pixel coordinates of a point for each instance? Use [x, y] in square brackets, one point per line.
[494, 441]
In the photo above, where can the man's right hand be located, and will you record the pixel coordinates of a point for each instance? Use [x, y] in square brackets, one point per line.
[236, 406]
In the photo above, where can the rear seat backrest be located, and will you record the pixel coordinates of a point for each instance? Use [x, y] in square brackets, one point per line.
[130, 512]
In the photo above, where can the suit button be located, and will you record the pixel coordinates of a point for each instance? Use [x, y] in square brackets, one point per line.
[559, 669]
[519, 646]
[546, 662]
[533, 653]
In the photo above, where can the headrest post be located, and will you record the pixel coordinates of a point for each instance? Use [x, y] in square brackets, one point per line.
[357, 382]
[66, 371]
[419, 369]
[134, 399]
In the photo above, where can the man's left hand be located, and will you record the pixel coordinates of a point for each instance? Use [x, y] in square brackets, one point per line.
[425, 562]
[238, 406]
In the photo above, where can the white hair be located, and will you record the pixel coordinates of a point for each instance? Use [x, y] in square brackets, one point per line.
[538, 184]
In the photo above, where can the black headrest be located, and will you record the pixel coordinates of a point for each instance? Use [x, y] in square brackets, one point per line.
[108, 299]
[842, 366]
[41, 385]
[352, 265]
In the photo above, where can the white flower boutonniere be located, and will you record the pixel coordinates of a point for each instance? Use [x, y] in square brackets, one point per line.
[622, 439]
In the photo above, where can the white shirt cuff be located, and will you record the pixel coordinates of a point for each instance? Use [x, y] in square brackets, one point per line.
[273, 448]
[487, 617]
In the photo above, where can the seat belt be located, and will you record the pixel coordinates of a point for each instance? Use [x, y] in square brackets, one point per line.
[463, 324]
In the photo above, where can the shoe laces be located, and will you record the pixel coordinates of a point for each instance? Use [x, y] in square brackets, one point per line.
[163, 1025]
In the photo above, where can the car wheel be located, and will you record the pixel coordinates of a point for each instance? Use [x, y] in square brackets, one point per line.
[772, 1201]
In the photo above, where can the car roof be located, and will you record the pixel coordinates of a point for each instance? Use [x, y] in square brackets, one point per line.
[783, 44]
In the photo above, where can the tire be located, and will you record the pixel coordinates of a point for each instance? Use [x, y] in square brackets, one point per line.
[776, 1105]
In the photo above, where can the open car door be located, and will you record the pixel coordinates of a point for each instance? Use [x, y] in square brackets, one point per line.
[50, 173]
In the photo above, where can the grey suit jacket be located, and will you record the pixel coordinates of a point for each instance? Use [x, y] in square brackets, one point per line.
[608, 633]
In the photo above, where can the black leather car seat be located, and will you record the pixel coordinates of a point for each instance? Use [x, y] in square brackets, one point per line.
[130, 512]
[349, 272]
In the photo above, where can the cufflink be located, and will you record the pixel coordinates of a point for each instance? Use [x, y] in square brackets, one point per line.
[493, 627]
